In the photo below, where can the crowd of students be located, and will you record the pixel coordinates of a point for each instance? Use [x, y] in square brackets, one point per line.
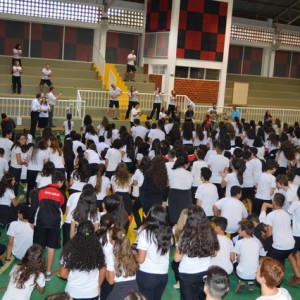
[229, 191]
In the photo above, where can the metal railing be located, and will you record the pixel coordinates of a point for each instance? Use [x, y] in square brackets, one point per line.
[100, 62]
[100, 99]
[21, 107]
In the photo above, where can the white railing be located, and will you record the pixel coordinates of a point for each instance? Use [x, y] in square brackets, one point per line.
[111, 78]
[21, 107]
[100, 62]
[100, 99]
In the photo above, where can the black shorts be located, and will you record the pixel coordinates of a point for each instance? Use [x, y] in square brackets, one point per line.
[130, 68]
[46, 81]
[248, 193]
[113, 103]
[297, 244]
[47, 237]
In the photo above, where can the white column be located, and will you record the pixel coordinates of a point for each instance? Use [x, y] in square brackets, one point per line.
[170, 74]
[223, 72]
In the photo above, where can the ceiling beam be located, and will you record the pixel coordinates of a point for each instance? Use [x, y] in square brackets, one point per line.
[287, 9]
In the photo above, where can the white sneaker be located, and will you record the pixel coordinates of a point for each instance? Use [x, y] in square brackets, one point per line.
[176, 286]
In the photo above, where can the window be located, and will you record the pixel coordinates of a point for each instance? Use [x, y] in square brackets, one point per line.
[197, 73]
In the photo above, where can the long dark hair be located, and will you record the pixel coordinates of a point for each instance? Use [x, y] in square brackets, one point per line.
[106, 223]
[86, 207]
[240, 166]
[17, 141]
[84, 252]
[87, 120]
[48, 169]
[69, 118]
[100, 172]
[158, 173]
[83, 171]
[6, 183]
[33, 263]
[114, 206]
[198, 239]
[156, 147]
[187, 132]
[158, 228]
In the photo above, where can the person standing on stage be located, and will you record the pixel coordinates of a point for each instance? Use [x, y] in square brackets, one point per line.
[17, 52]
[114, 92]
[16, 77]
[35, 112]
[131, 59]
[52, 101]
[46, 74]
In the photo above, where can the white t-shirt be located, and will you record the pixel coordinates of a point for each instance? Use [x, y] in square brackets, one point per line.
[139, 131]
[222, 259]
[282, 160]
[71, 205]
[7, 197]
[57, 159]
[46, 73]
[233, 210]
[101, 146]
[66, 126]
[266, 181]
[37, 163]
[92, 137]
[154, 263]
[114, 158]
[17, 70]
[196, 171]
[180, 179]
[131, 59]
[135, 114]
[218, 163]
[104, 186]
[77, 184]
[14, 293]
[248, 180]
[294, 210]
[75, 146]
[43, 180]
[192, 265]
[45, 111]
[82, 284]
[3, 166]
[168, 127]
[169, 166]
[248, 249]
[257, 169]
[231, 180]
[156, 134]
[139, 177]
[120, 189]
[23, 237]
[6, 144]
[92, 156]
[282, 294]
[281, 229]
[114, 93]
[110, 266]
[208, 194]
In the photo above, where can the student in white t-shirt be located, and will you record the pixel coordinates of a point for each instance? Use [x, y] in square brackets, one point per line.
[194, 261]
[265, 186]
[45, 176]
[232, 209]
[83, 264]
[68, 125]
[225, 256]
[294, 211]
[20, 234]
[46, 75]
[269, 283]
[3, 164]
[113, 158]
[207, 193]
[235, 178]
[138, 129]
[27, 275]
[121, 266]
[196, 171]
[135, 113]
[247, 251]
[279, 226]
[153, 249]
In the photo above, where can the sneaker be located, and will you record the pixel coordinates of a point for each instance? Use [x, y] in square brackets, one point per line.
[48, 276]
[176, 286]
[240, 287]
[115, 119]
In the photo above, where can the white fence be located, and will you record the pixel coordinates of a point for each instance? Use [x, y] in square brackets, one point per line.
[21, 107]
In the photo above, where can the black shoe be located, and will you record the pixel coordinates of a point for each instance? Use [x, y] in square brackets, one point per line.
[115, 119]
[133, 80]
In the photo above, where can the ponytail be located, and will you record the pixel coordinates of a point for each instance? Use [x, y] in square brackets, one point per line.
[240, 166]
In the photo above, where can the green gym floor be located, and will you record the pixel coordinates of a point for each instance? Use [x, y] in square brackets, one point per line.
[56, 284]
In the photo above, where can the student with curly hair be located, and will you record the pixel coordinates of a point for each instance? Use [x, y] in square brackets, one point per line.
[82, 264]
[121, 185]
[121, 266]
[86, 209]
[197, 244]
[154, 187]
[26, 275]
[153, 247]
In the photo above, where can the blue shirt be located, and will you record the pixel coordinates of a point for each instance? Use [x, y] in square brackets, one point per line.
[235, 113]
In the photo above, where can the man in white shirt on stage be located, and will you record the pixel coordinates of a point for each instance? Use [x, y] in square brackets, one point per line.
[34, 115]
[52, 101]
[131, 59]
